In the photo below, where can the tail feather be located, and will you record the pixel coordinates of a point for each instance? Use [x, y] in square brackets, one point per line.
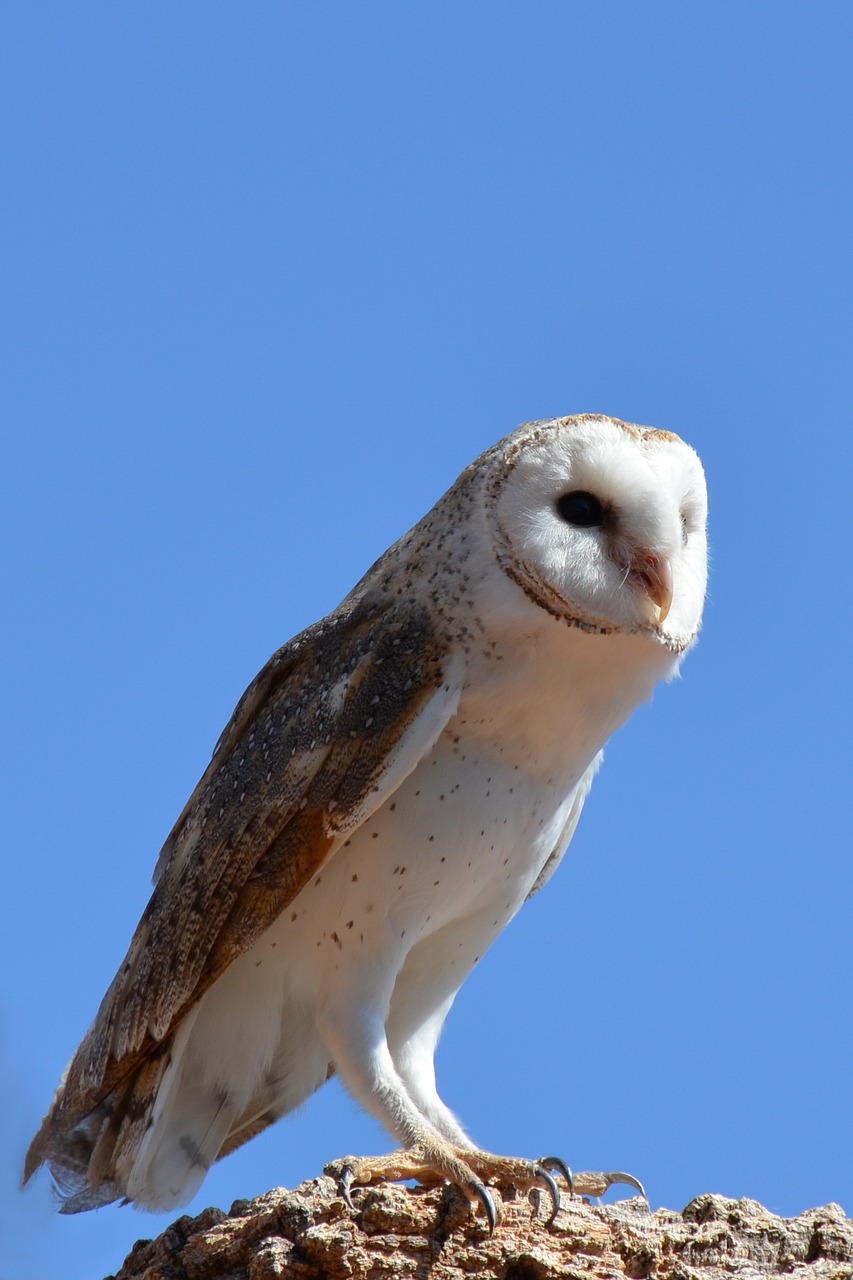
[74, 1195]
[68, 1158]
[151, 1140]
[87, 1159]
[178, 1152]
[153, 1135]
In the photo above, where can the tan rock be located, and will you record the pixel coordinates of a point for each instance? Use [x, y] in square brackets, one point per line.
[402, 1233]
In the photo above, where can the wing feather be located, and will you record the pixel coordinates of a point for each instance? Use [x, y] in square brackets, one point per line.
[558, 852]
[331, 725]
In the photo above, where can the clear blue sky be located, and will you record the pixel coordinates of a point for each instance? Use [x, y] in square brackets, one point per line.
[272, 275]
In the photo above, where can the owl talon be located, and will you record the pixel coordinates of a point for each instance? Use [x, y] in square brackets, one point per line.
[555, 1165]
[486, 1199]
[542, 1174]
[345, 1181]
[628, 1179]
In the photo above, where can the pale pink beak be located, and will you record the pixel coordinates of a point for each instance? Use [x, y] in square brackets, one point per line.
[650, 570]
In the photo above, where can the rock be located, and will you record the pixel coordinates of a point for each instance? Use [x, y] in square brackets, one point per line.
[405, 1233]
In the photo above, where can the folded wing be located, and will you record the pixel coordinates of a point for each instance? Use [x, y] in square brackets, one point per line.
[330, 727]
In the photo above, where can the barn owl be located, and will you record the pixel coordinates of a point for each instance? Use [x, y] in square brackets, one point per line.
[396, 782]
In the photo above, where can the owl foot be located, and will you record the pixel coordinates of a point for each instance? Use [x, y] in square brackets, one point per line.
[351, 1172]
[595, 1184]
[470, 1170]
[400, 1166]
[524, 1175]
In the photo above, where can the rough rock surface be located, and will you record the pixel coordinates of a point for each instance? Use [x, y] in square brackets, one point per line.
[400, 1232]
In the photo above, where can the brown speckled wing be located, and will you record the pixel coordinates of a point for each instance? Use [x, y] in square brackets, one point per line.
[313, 747]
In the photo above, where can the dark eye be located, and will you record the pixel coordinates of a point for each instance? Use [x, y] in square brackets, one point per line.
[582, 509]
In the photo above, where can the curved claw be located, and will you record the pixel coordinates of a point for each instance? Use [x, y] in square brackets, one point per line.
[553, 1190]
[559, 1166]
[484, 1195]
[347, 1179]
[629, 1180]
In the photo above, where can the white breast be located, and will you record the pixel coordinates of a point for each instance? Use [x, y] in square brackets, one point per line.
[466, 834]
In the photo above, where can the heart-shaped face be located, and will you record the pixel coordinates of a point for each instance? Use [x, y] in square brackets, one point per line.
[604, 522]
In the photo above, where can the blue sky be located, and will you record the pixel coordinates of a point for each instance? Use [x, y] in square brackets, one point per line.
[272, 275]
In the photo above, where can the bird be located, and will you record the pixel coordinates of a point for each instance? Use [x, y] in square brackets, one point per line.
[394, 785]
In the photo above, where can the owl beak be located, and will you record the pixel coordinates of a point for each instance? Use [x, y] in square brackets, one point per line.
[656, 576]
[650, 570]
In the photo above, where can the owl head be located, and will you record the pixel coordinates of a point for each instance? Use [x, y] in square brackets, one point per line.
[602, 523]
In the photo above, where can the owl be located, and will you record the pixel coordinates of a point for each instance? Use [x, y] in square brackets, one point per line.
[393, 786]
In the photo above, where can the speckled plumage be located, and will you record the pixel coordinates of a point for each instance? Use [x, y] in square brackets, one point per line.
[392, 786]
